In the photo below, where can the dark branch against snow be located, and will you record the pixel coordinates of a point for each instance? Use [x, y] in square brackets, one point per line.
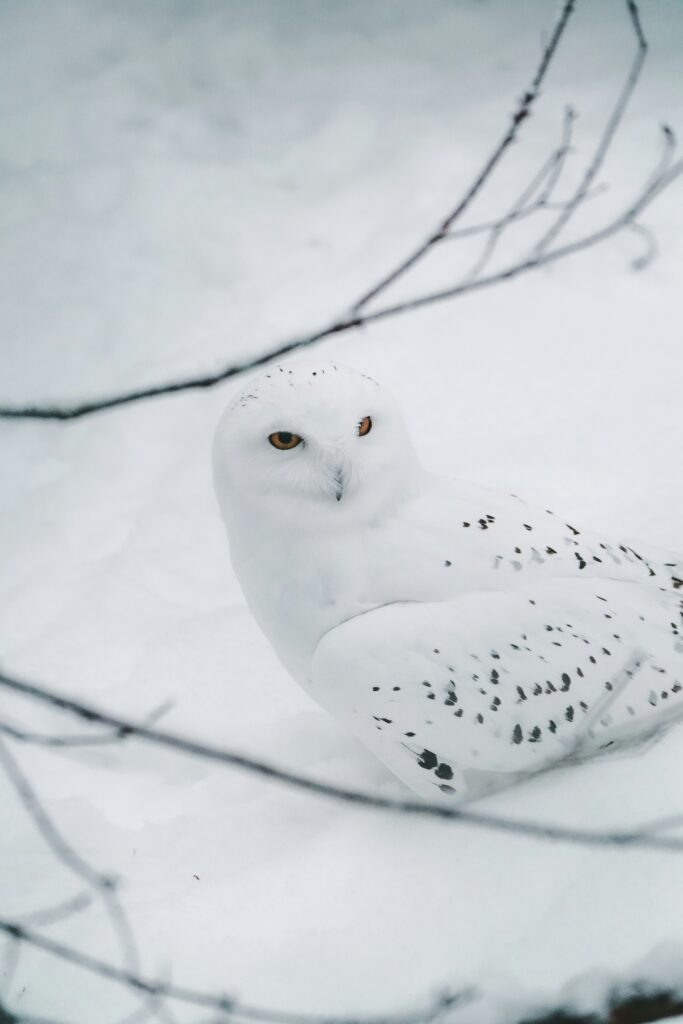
[541, 253]
[235, 1010]
[102, 885]
[520, 114]
[634, 836]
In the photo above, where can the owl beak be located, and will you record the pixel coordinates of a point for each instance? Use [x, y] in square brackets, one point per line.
[340, 483]
[338, 471]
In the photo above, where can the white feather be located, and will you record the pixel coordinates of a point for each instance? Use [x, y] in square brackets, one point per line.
[463, 635]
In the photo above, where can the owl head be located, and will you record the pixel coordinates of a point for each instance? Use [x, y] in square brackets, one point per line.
[313, 443]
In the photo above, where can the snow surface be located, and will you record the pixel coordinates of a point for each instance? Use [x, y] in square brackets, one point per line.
[183, 184]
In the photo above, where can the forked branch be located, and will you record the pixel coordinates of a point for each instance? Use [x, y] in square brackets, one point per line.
[365, 310]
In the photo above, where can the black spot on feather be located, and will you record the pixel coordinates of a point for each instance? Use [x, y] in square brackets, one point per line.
[428, 760]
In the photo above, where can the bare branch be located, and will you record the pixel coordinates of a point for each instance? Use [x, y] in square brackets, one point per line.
[72, 860]
[631, 837]
[618, 684]
[632, 1004]
[576, 751]
[607, 137]
[103, 885]
[663, 824]
[208, 380]
[623, 220]
[236, 1009]
[521, 113]
[84, 740]
[525, 205]
[651, 249]
[540, 255]
[40, 740]
[60, 911]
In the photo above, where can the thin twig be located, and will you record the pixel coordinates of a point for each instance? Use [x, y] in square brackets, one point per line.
[40, 740]
[199, 382]
[103, 885]
[618, 684]
[236, 1009]
[665, 824]
[575, 751]
[60, 911]
[608, 134]
[65, 853]
[651, 250]
[623, 220]
[525, 205]
[520, 114]
[13, 732]
[153, 1004]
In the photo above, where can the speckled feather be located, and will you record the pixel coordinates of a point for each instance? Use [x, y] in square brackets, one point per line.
[466, 637]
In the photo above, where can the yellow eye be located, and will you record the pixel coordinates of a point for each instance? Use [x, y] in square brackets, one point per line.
[365, 426]
[284, 440]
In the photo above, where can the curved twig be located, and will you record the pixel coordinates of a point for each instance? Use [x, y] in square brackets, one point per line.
[608, 134]
[103, 885]
[344, 323]
[236, 1009]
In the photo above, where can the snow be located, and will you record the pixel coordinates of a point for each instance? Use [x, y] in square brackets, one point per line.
[182, 185]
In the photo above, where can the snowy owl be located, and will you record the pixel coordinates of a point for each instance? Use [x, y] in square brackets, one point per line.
[464, 636]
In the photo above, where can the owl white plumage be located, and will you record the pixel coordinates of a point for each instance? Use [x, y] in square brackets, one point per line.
[464, 636]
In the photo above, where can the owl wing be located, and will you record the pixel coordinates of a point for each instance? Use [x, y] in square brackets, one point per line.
[460, 696]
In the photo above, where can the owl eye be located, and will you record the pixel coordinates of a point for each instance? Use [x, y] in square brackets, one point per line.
[284, 440]
[365, 426]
